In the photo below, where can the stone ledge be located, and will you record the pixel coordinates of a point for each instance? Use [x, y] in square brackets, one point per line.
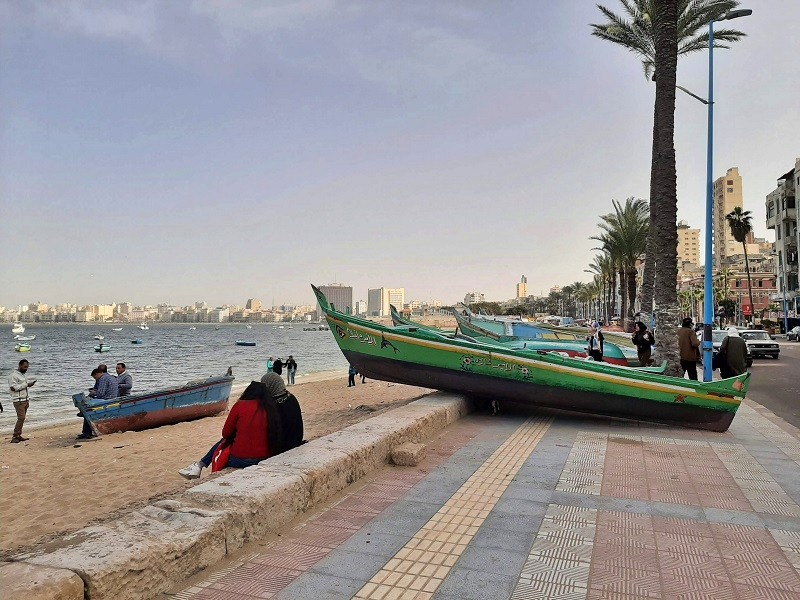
[147, 551]
[408, 454]
[23, 581]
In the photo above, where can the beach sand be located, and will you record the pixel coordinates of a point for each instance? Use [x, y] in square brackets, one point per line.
[54, 483]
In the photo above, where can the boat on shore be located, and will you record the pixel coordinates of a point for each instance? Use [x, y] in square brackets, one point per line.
[244, 343]
[533, 378]
[194, 400]
[24, 338]
[22, 347]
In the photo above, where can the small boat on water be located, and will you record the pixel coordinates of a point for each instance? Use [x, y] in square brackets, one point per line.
[533, 378]
[18, 328]
[216, 327]
[243, 343]
[24, 338]
[102, 348]
[249, 326]
[192, 327]
[99, 337]
[23, 347]
[143, 326]
[193, 400]
[117, 329]
[136, 342]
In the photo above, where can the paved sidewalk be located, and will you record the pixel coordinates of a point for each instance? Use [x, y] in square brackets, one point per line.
[533, 507]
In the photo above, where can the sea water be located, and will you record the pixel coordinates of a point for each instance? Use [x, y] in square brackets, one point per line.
[62, 357]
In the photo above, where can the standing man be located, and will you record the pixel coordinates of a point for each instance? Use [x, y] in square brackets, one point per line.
[124, 380]
[18, 383]
[689, 347]
[291, 369]
[105, 389]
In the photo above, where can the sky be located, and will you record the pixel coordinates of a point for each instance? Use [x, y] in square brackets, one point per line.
[217, 151]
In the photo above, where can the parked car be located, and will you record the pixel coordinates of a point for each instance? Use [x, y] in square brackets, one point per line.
[760, 343]
[794, 334]
[717, 335]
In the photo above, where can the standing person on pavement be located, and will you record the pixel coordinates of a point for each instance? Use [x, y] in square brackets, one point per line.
[689, 347]
[124, 380]
[643, 340]
[596, 340]
[733, 351]
[19, 383]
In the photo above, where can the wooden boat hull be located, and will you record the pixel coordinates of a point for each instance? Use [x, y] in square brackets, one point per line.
[428, 359]
[164, 407]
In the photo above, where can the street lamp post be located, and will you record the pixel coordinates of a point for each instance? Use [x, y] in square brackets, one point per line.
[783, 289]
[708, 317]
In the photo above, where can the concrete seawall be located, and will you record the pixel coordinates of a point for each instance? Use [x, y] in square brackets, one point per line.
[147, 551]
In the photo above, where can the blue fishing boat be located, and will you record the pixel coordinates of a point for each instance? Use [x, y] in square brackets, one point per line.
[194, 400]
[243, 343]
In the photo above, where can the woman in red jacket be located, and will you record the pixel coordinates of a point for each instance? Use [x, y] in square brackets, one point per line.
[252, 430]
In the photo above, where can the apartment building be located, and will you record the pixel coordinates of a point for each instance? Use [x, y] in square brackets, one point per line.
[727, 196]
[522, 288]
[339, 295]
[379, 299]
[782, 217]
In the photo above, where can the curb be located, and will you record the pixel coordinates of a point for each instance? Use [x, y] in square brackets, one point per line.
[147, 551]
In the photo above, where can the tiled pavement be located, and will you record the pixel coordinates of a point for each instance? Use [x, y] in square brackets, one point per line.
[534, 507]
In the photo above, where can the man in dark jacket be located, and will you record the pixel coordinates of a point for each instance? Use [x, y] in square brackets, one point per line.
[733, 353]
[689, 347]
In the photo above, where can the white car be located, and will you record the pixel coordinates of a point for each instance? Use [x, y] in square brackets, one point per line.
[760, 343]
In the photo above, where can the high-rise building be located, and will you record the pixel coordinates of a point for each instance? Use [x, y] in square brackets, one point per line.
[727, 196]
[339, 295]
[688, 244]
[474, 297]
[782, 217]
[522, 287]
[379, 299]
[253, 304]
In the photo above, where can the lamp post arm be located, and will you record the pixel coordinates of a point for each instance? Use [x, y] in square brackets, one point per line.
[693, 95]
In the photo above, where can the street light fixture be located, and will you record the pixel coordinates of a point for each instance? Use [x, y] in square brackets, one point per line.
[708, 316]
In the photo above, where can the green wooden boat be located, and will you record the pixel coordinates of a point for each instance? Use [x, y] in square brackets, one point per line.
[426, 358]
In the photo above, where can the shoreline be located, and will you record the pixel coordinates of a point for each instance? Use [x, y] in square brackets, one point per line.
[69, 416]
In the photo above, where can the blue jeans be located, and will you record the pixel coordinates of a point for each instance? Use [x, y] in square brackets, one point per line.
[233, 461]
[290, 376]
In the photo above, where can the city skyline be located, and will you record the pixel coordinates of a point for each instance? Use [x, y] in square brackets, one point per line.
[169, 152]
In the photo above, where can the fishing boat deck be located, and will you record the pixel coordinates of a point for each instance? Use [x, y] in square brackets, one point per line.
[532, 505]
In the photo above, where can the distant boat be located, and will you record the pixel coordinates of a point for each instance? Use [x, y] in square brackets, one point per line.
[99, 337]
[18, 328]
[280, 326]
[24, 338]
[117, 329]
[102, 348]
[249, 326]
[290, 327]
[143, 326]
[196, 399]
[136, 341]
[243, 343]
[216, 327]
[192, 327]
[22, 347]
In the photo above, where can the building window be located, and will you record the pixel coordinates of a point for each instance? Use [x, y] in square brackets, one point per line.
[730, 181]
[730, 190]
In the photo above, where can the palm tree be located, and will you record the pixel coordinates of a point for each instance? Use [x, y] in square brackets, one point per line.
[658, 31]
[635, 30]
[741, 224]
[624, 237]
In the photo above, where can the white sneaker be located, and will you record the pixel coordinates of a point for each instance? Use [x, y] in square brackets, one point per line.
[192, 471]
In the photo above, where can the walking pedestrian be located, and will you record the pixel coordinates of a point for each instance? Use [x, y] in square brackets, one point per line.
[733, 354]
[689, 347]
[643, 340]
[18, 384]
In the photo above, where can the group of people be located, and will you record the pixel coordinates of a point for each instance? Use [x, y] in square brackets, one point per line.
[106, 387]
[265, 421]
[277, 366]
[731, 359]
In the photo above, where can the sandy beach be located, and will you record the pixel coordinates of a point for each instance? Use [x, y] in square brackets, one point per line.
[54, 483]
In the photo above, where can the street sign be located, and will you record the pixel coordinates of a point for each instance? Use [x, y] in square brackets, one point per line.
[747, 310]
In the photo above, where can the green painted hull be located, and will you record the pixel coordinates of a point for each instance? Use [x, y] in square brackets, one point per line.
[426, 358]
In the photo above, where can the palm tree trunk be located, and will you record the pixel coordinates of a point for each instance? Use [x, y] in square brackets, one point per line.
[649, 271]
[632, 292]
[749, 282]
[666, 196]
[623, 293]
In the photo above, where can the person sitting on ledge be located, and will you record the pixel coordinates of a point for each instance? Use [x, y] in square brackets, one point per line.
[252, 431]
